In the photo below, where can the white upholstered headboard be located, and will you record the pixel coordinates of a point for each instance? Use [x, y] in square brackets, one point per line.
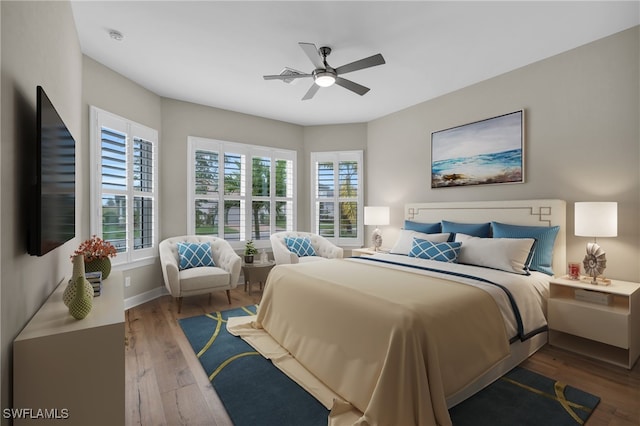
[516, 212]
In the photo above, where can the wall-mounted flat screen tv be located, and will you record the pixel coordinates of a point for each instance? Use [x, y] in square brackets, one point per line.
[53, 199]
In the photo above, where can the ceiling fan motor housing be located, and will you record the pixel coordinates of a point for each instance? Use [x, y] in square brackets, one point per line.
[325, 77]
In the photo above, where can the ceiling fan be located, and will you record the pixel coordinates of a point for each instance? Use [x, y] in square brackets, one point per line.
[324, 75]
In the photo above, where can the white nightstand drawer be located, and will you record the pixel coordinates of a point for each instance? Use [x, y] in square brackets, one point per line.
[585, 320]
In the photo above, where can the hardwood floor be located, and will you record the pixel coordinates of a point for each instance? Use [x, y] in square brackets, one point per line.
[165, 384]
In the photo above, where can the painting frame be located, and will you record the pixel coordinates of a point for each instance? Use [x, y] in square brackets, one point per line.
[483, 152]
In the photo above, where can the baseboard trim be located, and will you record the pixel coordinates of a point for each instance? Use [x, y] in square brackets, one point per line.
[145, 297]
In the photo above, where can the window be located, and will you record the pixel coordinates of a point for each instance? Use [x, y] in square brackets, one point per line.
[124, 185]
[337, 201]
[240, 192]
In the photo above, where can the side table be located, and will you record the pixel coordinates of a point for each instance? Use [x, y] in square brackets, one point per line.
[256, 272]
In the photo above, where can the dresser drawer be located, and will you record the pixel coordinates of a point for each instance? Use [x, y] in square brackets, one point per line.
[602, 324]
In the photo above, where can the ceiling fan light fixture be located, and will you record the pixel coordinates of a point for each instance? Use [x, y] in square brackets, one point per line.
[324, 79]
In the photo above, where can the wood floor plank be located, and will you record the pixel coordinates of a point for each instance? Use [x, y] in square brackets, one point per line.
[142, 395]
[187, 406]
[166, 384]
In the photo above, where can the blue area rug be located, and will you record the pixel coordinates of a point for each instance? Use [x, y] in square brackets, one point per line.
[252, 389]
[524, 398]
[255, 392]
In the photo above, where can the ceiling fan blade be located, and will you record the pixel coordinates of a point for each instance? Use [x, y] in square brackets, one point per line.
[285, 77]
[312, 91]
[312, 52]
[371, 61]
[354, 87]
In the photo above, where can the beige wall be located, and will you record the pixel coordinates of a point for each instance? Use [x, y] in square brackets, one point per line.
[338, 137]
[39, 47]
[183, 119]
[110, 91]
[582, 141]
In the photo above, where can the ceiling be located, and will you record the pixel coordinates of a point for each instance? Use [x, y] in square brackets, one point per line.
[215, 53]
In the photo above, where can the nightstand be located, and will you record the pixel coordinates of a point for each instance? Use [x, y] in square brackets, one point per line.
[608, 330]
[366, 251]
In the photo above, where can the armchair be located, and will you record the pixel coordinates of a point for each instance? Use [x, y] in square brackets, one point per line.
[323, 248]
[202, 279]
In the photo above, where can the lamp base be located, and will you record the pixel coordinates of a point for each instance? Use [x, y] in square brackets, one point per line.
[599, 281]
[376, 239]
[595, 262]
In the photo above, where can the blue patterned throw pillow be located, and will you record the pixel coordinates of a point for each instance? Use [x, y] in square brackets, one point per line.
[442, 252]
[193, 255]
[301, 246]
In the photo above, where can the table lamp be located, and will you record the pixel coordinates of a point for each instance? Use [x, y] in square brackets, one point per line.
[376, 216]
[595, 219]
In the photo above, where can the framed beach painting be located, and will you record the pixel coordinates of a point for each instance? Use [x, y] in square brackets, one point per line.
[485, 152]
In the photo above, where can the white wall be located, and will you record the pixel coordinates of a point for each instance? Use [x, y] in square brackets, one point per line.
[39, 47]
[582, 142]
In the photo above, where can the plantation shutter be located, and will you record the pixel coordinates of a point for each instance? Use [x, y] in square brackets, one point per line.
[337, 208]
[124, 186]
[207, 175]
[239, 192]
[114, 187]
[143, 190]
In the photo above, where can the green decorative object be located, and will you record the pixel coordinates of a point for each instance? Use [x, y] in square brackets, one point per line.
[82, 302]
[103, 265]
[249, 251]
[78, 272]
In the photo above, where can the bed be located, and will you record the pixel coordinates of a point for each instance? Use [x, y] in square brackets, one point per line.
[395, 339]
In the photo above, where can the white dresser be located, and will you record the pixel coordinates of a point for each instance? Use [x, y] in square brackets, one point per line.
[73, 368]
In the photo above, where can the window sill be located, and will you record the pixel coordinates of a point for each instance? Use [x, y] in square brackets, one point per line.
[135, 264]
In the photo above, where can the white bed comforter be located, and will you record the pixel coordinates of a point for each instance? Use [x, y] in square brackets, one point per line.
[530, 292]
[409, 374]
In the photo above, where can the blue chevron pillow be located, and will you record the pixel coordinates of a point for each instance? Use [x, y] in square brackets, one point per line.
[193, 255]
[442, 252]
[301, 246]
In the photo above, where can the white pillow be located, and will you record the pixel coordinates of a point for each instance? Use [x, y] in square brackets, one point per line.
[405, 240]
[506, 254]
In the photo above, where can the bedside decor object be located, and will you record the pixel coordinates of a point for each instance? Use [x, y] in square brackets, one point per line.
[484, 152]
[97, 253]
[376, 216]
[78, 273]
[595, 219]
[573, 271]
[249, 251]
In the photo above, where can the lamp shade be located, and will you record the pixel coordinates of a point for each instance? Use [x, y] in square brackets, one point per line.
[374, 215]
[596, 219]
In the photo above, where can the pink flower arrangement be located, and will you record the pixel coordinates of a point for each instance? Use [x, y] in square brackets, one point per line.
[95, 248]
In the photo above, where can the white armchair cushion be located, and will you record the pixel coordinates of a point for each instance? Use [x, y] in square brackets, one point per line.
[203, 278]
